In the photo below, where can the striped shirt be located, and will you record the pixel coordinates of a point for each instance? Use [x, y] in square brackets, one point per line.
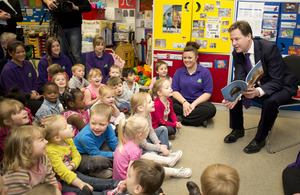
[22, 180]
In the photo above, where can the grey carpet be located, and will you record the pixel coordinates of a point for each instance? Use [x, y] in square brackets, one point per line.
[260, 173]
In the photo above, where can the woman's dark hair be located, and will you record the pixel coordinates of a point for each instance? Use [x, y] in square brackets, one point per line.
[16, 93]
[11, 46]
[69, 96]
[192, 46]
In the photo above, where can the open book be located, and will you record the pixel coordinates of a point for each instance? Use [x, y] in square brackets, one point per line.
[235, 89]
[5, 6]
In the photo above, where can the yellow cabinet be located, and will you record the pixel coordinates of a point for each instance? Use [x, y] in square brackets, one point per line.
[204, 21]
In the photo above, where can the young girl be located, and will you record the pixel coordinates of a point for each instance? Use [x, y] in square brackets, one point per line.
[25, 162]
[132, 132]
[51, 104]
[16, 93]
[12, 115]
[73, 103]
[53, 56]
[157, 139]
[65, 158]
[61, 80]
[161, 68]
[91, 93]
[107, 96]
[164, 114]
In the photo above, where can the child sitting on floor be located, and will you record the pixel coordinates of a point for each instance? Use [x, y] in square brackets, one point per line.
[164, 114]
[73, 102]
[143, 177]
[123, 96]
[25, 162]
[53, 69]
[97, 156]
[128, 75]
[51, 104]
[216, 179]
[107, 96]
[12, 115]
[78, 80]
[91, 93]
[132, 132]
[161, 68]
[115, 71]
[65, 158]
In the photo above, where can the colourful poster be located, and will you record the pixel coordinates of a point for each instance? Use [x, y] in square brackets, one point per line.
[172, 18]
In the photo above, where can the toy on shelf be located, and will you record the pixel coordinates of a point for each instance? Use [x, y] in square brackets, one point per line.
[143, 75]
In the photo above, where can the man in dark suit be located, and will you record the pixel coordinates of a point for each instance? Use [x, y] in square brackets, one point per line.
[276, 87]
[9, 23]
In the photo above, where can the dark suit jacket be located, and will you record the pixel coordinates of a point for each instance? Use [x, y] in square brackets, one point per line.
[12, 22]
[277, 75]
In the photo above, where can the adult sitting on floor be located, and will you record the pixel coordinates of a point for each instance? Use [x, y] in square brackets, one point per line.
[192, 87]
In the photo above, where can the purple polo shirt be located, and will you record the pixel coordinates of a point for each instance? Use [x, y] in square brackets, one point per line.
[24, 77]
[63, 60]
[103, 63]
[192, 86]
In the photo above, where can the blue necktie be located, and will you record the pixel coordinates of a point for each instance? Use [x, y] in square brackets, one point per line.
[247, 102]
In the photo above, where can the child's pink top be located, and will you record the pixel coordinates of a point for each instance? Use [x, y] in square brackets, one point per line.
[94, 94]
[130, 152]
[85, 118]
[30, 116]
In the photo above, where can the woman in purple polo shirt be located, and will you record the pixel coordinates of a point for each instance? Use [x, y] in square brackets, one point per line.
[53, 56]
[99, 58]
[20, 72]
[192, 87]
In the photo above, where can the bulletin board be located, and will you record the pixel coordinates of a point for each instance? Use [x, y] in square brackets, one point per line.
[278, 22]
[289, 29]
[211, 21]
[217, 64]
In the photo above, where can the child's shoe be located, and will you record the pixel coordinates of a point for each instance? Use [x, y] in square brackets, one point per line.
[183, 172]
[174, 157]
[172, 137]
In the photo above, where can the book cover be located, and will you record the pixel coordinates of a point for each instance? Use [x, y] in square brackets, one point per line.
[236, 88]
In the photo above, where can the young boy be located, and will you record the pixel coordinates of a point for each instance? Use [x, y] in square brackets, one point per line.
[122, 99]
[51, 104]
[128, 75]
[161, 68]
[78, 80]
[115, 71]
[143, 177]
[217, 179]
[97, 157]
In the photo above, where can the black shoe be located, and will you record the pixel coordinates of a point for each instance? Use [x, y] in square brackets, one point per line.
[254, 146]
[234, 135]
[193, 188]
